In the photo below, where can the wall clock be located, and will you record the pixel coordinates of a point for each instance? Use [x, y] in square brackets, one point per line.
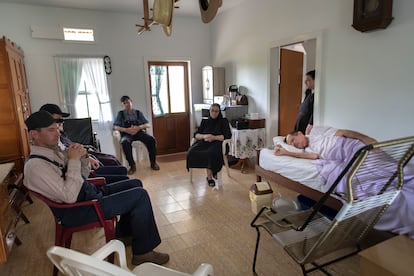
[107, 64]
[372, 14]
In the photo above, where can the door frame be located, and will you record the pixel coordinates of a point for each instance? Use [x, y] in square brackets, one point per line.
[147, 88]
[273, 86]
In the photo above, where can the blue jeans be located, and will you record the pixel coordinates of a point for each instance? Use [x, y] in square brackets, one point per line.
[125, 198]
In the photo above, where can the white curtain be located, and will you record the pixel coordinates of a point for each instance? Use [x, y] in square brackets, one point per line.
[69, 71]
[95, 72]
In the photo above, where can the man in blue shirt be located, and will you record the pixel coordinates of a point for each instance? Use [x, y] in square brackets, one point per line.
[131, 123]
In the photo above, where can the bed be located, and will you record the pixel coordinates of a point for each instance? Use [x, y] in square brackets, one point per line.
[312, 179]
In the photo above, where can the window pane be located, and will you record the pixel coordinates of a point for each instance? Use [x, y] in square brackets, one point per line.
[177, 93]
[78, 34]
[159, 90]
[86, 104]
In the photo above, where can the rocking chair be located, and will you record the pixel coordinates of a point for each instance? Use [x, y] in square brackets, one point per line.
[373, 178]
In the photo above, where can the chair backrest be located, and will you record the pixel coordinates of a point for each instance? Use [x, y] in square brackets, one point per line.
[370, 182]
[80, 131]
[71, 262]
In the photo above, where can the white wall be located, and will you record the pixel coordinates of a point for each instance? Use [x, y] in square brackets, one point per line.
[116, 36]
[366, 79]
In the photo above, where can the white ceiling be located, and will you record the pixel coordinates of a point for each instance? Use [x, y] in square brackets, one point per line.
[186, 7]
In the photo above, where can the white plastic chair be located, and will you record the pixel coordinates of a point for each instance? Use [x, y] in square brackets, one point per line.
[74, 263]
[226, 162]
[139, 149]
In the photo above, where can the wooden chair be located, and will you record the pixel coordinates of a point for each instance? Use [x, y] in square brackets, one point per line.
[373, 178]
[225, 145]
[63, 235]
[71, 262]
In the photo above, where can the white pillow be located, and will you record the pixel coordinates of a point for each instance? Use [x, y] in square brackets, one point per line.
[279, 140]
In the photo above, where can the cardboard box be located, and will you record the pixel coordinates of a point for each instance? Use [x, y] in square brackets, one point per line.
[261, 194]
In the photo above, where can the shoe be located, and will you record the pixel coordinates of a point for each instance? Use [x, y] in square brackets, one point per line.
[155, 167]
[132, 169]
[152, 257]
[211, 182]
[127, 241]
[215, 176]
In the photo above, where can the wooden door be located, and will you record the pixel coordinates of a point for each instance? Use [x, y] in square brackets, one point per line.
[170, 106]
[290, 89]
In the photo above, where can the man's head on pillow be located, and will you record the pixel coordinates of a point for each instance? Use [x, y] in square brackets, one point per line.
[297, 139]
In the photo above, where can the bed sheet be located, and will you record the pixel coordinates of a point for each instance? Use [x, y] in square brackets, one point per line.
[300, 170]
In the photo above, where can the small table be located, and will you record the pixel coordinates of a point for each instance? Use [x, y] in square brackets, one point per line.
[244, 143]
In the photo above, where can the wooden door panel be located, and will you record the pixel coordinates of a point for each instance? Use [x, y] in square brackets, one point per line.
[171, 130]
[172, 133]
[290, 91]
[182, 132]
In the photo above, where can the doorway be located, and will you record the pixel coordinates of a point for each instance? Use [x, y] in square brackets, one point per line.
[169, 93]
[290, 89]
[312, 44]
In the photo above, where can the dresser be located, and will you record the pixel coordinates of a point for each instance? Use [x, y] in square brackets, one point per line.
[14, 104]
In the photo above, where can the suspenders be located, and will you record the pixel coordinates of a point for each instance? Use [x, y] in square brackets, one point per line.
[62, 168]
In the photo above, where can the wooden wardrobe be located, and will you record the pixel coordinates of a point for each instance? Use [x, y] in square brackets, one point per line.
[14, 105]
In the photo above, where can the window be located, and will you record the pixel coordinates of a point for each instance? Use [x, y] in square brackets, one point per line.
[167, 89]
[84, 88]
[73, 34]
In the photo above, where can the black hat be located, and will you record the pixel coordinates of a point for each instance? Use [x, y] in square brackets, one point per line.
[39, 119]
[53, 109]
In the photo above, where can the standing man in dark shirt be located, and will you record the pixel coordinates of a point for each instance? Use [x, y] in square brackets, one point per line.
[304, 121]
[131, 123]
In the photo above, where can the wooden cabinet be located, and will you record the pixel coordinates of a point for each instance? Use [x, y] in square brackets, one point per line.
[213, 83]
[14, 104]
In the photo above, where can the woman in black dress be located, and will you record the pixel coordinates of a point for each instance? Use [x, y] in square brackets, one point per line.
[207, 151]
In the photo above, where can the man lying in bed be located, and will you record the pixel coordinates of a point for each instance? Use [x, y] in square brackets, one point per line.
[319, 144]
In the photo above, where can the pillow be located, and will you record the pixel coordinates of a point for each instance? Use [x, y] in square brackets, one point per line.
[279, 140]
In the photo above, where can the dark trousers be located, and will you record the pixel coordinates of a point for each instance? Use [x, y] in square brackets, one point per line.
[148, 141]
[111, 173]
[125, 198]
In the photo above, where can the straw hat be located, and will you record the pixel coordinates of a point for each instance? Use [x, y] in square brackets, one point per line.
[162, 11]
[167, 30]
[208, 9]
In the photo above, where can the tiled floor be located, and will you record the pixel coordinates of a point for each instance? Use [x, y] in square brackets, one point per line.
[197, 224]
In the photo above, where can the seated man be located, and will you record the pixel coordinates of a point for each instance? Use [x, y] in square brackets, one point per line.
[60, 176]
[110, 169]
[131, 123]
[320, 142]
